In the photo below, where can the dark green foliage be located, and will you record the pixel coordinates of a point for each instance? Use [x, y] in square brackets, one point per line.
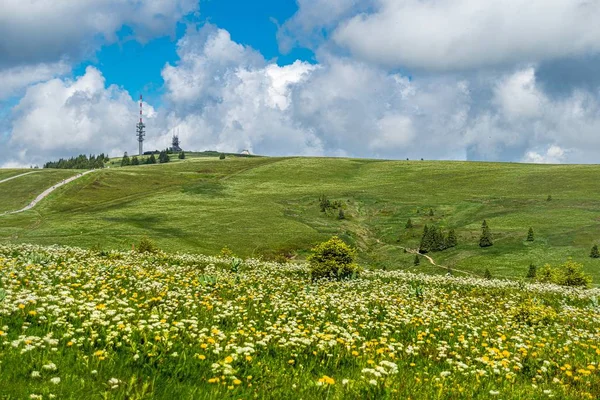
[341, 214]
[530, 235]
[125, 161]
[532, 272]
[324, 203]
[451, 240]
[417, 260]
[163, 157]
[409, 224]
[80, 162]
[431, 214]
[487, 274]
[486, 236]
[151, 159]
[333, 259]
[549, 198]
[595, 253]
[571, 274]
[135, 161]
[147, 246]
[182, 156]
[433, 239]
[222, 156]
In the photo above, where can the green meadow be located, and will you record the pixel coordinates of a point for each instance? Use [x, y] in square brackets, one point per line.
[269, 207]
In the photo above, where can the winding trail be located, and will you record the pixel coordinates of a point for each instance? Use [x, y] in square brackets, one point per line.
[17, 176]
[432, 262]
[46, 193]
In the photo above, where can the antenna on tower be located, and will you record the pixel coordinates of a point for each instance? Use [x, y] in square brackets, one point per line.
[141, 133]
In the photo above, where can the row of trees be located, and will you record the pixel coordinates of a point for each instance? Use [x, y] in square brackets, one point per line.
[434, 239]
[163, 157]
[82, 161]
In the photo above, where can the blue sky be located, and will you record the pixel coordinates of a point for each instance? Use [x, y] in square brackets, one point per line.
[137, 66]
[500, 80]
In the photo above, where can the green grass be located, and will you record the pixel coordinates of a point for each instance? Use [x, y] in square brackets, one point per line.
[265, 206]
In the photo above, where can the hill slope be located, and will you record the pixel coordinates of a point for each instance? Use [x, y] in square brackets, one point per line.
[265, 206]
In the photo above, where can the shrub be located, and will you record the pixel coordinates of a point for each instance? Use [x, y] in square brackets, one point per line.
[226, 252]
[182, 156]
[147, 246]
[546, 274]
[571, 274]
[486, 236]
[332, 259]
[431, 214]
[417, 260]
[532, 272]
[595, 253]
[409, 224]
[222, 156]
[341, 214]
[451, 240]
[532, 313]
[549, 198]
[487, 274]
[530, 235]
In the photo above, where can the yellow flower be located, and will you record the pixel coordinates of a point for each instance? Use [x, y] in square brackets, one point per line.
[201, 357]
[21, 306]
[326, 380]
[355, 353]
[248, 358]
[228, 360]
[32, 312]
[237, 382]
[69, 344]
[291, 362]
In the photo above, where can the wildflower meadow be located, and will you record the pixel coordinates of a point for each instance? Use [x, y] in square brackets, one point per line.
[80, 324]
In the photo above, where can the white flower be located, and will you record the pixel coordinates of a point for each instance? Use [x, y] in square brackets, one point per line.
[494, 392]
[35, 374]
[55, 380]
[444, 374]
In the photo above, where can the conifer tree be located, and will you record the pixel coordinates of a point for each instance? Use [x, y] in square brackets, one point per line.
[222, 156]
[487, 274]
[417, 260]
[135, 161]
[431, 212]
[151, 159]
[451, 240]
[341, 214]
[439, 242]
[595, 253]
[125, 161]
[409, 224]
[530, 235]
[182, 156]
[486, 236]
[532, 272]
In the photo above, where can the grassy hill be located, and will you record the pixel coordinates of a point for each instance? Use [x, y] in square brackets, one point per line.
[268, 206]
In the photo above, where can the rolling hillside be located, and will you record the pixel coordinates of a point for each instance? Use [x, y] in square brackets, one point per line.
[270, 206]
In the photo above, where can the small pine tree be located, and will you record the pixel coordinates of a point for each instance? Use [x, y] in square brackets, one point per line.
[425, 245]
[341, 214]
[409, 224]
[549, 198]
[532, 272]
[530, 235]
[151, 159]
[431, 213]
[163, 157]
[417, 260]
[135, 161]
[595, 253]
[487, 274]
[182, 156]
[486, 236]
[222, 156]
[125, 161]
[451, 240]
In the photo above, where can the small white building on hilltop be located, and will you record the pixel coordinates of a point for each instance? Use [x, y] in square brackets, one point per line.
[245, 152]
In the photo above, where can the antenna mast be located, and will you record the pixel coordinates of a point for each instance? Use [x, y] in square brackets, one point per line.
[141, 133]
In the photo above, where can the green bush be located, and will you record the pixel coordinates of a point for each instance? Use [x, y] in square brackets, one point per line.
[569, 273]
[147, 246]
[532, 272]
[486, 236]
[409, 224]
[332, 259]
[530, 235]
[532, 313]
[222, 156]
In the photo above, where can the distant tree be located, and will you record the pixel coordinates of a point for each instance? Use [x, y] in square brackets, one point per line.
[417, 260]
[595, 253]
[549, 198]
[182, 156]
[487, 274]
[431, 212]
[451, 240]
[486, 236]
[341, 214]
[163, 157]
[530, 235]
[125, 161]
[135, 161]
[532, 272]
[333, 259]
[151, 159]
[438, 239]
[409, 224]
[222, 156]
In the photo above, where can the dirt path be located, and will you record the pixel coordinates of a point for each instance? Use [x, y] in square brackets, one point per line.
[432, 262]
[46, 193]
[17, 176]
